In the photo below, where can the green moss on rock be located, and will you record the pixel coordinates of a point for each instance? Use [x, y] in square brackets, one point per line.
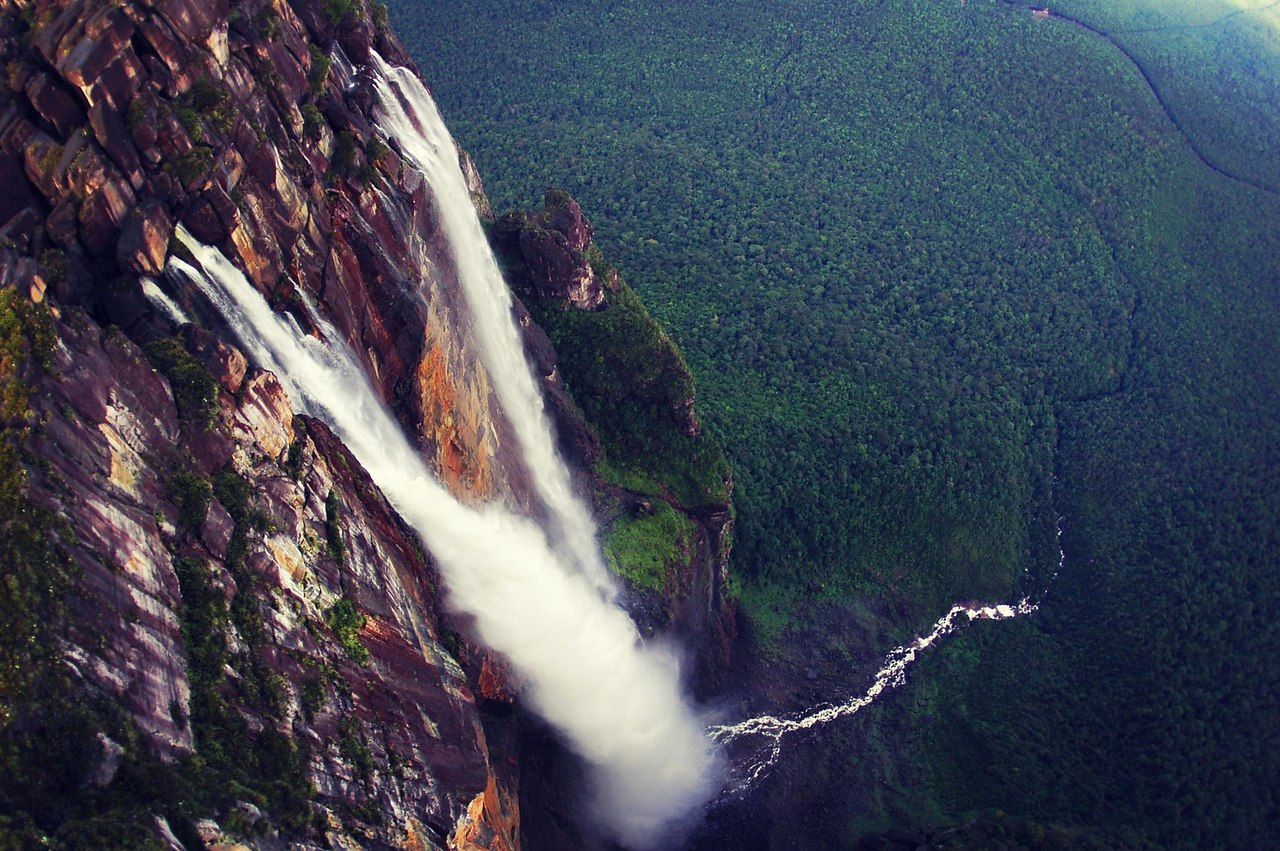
[647, 549]
[194, 390]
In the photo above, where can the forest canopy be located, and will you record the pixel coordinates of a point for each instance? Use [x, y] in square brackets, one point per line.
[950, 277]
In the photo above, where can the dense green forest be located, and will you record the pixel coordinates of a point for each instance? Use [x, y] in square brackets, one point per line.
[946, 273]
[1213, 64]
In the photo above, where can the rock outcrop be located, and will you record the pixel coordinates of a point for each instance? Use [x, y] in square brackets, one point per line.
[153, 504]
[249, 126]
[557, 252]
[636, 427]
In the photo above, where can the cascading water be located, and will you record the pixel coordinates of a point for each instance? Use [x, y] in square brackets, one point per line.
[771, 728]
[617, 701]
[542, 601]
[893, 673]
[409, 118]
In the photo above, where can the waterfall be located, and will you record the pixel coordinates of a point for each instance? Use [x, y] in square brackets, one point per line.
[617, 701]
[408, 117]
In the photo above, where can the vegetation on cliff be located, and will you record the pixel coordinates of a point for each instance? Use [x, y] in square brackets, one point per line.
[945, 274]
[33, 572]
[179, 651]
[632, 386]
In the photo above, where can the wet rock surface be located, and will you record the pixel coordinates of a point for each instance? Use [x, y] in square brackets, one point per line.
[188, 484]
[121, 122]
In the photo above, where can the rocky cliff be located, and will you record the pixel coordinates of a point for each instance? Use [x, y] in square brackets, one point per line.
[663, 490]
[216, 629]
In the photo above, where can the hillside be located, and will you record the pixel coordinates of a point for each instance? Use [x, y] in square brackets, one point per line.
[950, 276]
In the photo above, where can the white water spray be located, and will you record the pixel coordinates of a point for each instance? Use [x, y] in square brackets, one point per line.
[161, 301]
[893, 673]
[409, 118]
[618, 702]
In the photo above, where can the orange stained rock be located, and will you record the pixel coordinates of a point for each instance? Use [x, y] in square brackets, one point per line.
[495, 680]
[492, 822]
[460, 455]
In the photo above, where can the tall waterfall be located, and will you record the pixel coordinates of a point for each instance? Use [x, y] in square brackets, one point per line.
[409, 117]
[617, 701]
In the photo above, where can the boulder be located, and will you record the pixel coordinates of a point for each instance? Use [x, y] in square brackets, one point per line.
[55, 103]
[144, 239]
[102, 214]
[225, 363]
[213, 217]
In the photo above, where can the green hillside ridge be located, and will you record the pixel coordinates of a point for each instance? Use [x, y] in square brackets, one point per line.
[636, 395]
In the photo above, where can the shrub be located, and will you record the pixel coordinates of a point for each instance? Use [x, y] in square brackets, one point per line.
[353, 747]
[320, 64]
[213, 103]
[344, 153]
[312, 121]
[191, 166]
[332, 508]
[194, 390]
[346, 621]
[336, 9]
[190, 492]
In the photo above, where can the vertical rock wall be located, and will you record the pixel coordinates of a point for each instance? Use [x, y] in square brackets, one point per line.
[248, 124]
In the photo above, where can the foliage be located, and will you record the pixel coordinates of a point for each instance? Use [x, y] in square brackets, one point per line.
[1214, 65]
[922, 259]
[377, 151]
[312, 121]
[879, 344]
[343, 161]
[333, 527]
[234, 764]
[378, 14]
[51, 727]
[293, 461]
[647, 549]
[236, 495]
[194, 390]
[190, 492]
[353, 747]
[191, 167]
[207, 104]
[314, 696]
[33, 572]
[212, 101]
[336, 10]
[267, 22]
[321, 62]
[346, 620]
[636, 390]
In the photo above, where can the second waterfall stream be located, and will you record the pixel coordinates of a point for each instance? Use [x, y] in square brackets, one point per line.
[538, 596]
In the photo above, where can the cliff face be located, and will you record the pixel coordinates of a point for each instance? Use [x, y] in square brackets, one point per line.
[217, 628]
[656, 476]
[248, 126]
